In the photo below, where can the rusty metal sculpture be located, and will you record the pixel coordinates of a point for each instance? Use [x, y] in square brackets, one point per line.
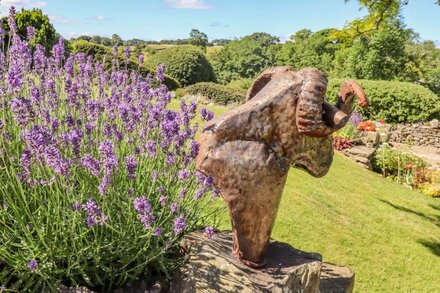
[248, 151]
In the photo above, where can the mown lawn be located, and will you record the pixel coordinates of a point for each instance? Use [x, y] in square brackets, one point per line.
[388, 235]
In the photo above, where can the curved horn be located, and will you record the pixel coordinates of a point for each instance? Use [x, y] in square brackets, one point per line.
[311, 106]
[264, 78]
[349, 90]
[311, 102]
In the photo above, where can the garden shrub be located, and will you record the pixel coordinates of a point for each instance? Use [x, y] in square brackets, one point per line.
[97, 182]
[217, 93]
[104, 54]
[187, 64]
[396, 164]
[392, 101]
[241, 83]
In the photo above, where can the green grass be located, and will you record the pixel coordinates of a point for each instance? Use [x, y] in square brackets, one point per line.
[387, 234]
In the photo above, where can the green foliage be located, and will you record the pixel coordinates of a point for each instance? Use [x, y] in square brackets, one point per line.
[198, 38]
[45, 33]
[241, 83]
[423, 64]
[379, 12]
[244, 58]
[187, 64]
[349, 132]
[99, 52]
[393, 101]
[307, 49]
[381, 56]
[396, 164]
[103, 54]
[217, 93]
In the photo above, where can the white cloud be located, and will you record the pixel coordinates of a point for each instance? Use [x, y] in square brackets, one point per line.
[58, 19]
[75, 34]
[218, 24]
[24, 3]
[188, 4]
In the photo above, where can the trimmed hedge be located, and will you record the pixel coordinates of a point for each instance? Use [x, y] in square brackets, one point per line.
[104, 54]
[217, 93]
[187, 64]
[393, 101]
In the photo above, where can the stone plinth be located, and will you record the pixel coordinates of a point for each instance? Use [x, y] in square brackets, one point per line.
[211, 267]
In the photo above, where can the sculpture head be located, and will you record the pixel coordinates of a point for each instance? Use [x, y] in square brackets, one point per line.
[315, 119]
[248, 151]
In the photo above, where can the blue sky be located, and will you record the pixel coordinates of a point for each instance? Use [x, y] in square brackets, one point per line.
[169, 19]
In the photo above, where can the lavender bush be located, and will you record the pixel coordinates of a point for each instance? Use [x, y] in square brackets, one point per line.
[97, 177]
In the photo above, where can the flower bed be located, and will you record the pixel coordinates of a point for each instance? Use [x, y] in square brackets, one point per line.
[97, 180]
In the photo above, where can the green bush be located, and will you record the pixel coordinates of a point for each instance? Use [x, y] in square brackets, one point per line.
[217, 93]
[395, 164]
[241, 83]
[187, 64]
[392, 101]
[104, 54]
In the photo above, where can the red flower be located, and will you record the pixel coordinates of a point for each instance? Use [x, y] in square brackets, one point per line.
[408, 167]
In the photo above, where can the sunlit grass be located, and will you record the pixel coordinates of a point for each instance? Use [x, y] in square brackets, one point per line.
[387, 234]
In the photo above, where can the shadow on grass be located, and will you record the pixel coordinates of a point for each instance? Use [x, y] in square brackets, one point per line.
[434, 247]
[435, 219]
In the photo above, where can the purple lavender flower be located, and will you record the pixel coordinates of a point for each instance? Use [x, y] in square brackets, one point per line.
[76, 206]
[193, 149]
[147, 219]
[215, 193]
[174, 207]
[199, 194]
[30, 32]
[95, 216]
[206, 114]
[183, 174]
[91, 164]
[355, 118]
[141, 205]
[158, 231]
[182, 193]
[141, 59]
[58, 51]
[150, 146]
[163, 200]
[209, 232]
[179, 224]
[115, 50]
[54, 159]
[2, 288]
[33, 265]
[131, 164]
[127, 52]
[160, 77]
[25, 162]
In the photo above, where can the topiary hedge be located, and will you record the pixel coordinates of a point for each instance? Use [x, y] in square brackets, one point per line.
[104, 54]
[187, 64]
[217, 93]
[393, 101]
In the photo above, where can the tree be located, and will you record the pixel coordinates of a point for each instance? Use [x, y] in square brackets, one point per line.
[116, 40]
[264, 39]
[245, 58]
[380, 56]
[198, 38]
[308, 49]
[45, 33]
[379, 13]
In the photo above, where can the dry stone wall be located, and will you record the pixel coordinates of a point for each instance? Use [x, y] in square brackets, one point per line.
[421, 134]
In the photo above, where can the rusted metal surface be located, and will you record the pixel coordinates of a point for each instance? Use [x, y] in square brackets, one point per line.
[249, 150]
